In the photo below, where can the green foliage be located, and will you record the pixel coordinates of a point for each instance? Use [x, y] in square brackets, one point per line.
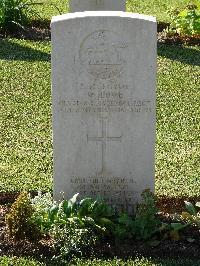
[45, 211]
[75, 226]
[20, 220]
[172, 231]
[125, 227]
[19, 261]
[192, 213]
[138, 261]
[145, 223]
[15, 13]
[98, 216]
[70, 240]
[155, 8]
[186, 21]
[87, 212]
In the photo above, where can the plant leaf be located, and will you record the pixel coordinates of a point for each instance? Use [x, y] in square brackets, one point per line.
[178, 226]
[74, 199]
[190, 240]
[174, 235]
[190, 208]
[153, 243]
[186, 215]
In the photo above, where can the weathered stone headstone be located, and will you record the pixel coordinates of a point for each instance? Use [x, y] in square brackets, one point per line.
[103, 87]
[94, 5]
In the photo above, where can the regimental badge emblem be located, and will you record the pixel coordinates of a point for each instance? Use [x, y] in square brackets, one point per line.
[102, 54]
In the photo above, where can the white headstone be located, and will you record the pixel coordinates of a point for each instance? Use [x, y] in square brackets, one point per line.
[103, 86]
[94, 5]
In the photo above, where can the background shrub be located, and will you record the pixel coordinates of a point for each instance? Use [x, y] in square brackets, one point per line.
[15, 13]
[20, 220]
[186, 21]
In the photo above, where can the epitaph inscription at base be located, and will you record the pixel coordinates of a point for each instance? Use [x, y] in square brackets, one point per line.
[103, 85]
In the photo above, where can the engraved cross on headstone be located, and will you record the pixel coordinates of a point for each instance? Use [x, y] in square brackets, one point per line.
[103, 139]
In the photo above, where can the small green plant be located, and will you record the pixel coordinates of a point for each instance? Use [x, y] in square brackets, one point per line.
[20, 220]
[192, 213]
[87, 212]
[76, 226]
[172, 231]
[70, 240]
[145, 222]
[18, 13]
[124, 228]
[14, 13]
[45, 211]
[187, 21]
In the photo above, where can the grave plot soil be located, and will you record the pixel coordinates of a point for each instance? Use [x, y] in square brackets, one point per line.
[39, 30]
[187, 247]
[162, 37]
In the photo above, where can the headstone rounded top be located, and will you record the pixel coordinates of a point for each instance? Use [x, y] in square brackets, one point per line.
[97, 5]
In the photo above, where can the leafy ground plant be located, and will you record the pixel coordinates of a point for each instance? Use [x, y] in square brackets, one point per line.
[85, 213]
[80, 228]
[20, 220]
[15, 13]
[75, 226]
[192, 213]
[186, 21]
[144, 224]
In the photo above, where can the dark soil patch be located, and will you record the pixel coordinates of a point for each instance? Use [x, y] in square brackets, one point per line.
[177, 39]
[10, 197]
[37, 30]
[174, 204]
[166, 248]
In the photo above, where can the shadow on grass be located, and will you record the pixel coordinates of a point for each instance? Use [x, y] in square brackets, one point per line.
[182, 54]
[10, 50]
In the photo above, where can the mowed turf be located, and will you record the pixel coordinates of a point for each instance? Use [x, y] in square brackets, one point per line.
[178, 124]
[23, 261]
[158, 8]
[25, 120]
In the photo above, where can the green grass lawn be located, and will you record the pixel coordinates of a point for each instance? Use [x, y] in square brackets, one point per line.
[158, 8]
[25, 120]
[9, 261]
[178, 94]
